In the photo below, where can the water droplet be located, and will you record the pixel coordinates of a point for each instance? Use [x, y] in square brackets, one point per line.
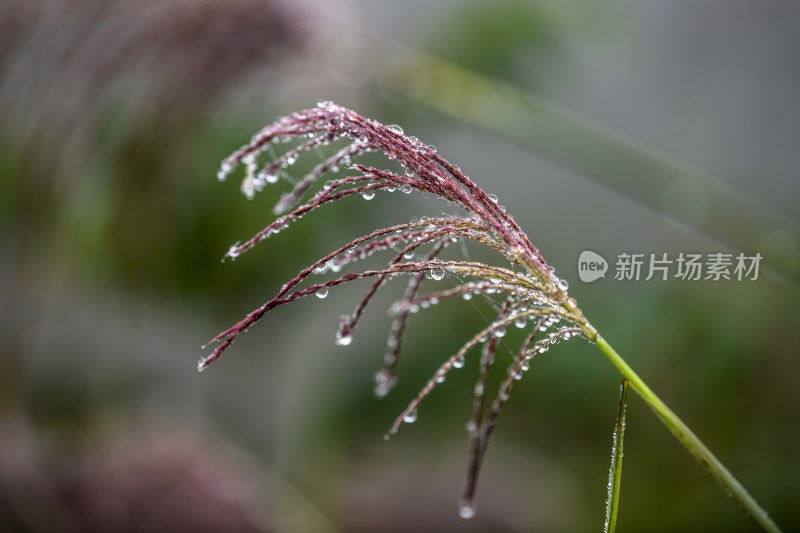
[406, 189]
[383, 383]
[368, 195]
[201, 365]
[521, 322]
[344, 340]
[410, 417]
[408, 255]
[322, 293]
[459, 362]
[440, 378]
[225, 168]
[395, 129]
[409, 172]
[437, 274]
[466, 511]
[563, 284]
[233, 251]
[271, 178]
[467, 296]
[471, 426]
[499, 332]
[493, 197]
[478, 389]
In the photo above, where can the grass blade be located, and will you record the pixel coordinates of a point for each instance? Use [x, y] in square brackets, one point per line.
[615, 470]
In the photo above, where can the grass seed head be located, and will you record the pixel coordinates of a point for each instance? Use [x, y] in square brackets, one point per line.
[533, 297]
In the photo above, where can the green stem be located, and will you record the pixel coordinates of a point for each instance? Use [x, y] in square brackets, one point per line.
[615, 472]
[685, 435]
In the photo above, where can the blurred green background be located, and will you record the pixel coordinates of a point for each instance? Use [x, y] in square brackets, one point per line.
[627, 126]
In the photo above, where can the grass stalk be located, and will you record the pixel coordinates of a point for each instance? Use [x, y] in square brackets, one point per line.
[615, 471]
[690, 441]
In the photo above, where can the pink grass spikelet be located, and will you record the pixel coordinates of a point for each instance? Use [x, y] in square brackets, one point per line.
[534, 298]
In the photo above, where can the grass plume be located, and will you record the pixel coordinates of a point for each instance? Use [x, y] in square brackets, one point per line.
[533, 296]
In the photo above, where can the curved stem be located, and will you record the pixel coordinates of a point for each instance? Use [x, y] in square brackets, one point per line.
[685, 435]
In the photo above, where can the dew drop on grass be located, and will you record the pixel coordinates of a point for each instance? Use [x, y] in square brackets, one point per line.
[563, 284]
[233, 251]
[467, 296]
[466, 510]
[521, 322]
[459, 362]
[395, 129]
[437, 274]
[368, 195]
[499, 332]
[406, 189]
[344, 340]
[383, 383]
[322, 293]
[493, 197]
[410, 417]
[225, 168]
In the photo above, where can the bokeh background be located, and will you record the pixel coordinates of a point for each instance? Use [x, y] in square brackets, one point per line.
[630, 125]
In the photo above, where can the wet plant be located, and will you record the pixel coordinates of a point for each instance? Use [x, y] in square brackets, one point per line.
[532, 297]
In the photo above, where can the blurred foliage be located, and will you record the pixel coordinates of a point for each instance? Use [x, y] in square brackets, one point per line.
[501, 39]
